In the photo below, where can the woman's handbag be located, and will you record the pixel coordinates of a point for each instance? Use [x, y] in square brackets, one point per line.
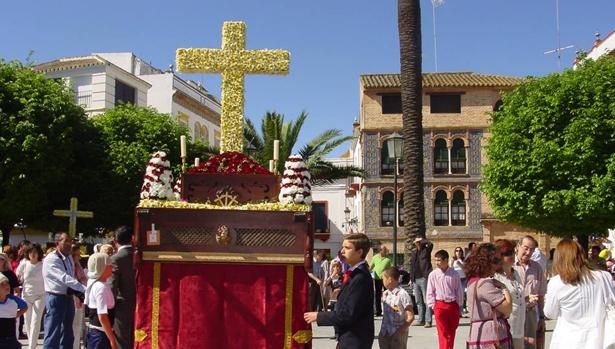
[496, 325]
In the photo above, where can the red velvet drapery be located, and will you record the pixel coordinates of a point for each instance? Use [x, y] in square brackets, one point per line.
[201, 305]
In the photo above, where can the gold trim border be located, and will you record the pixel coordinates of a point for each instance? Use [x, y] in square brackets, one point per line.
[288, 316]
[268, 258]
[156, 306]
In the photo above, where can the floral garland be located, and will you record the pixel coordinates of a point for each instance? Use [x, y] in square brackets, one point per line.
[267, 206]
[233, 61]
[230, 163]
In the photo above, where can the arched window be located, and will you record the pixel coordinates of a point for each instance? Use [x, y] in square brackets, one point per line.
[458, 157]
[387, 165]
[441, 208]
[498, 105]
[387, 161]
[440, 155]
[197, 131]
[204, 134]
[400, 210]
[458, 208]
[387, 206]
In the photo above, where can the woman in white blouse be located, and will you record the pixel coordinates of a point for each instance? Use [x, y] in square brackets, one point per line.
[512, 280]
[30, 273]
[577, 297]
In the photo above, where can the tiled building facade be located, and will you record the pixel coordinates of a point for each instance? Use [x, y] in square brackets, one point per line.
[456, 121]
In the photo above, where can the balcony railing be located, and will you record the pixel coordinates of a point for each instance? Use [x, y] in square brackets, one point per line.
[84, 98]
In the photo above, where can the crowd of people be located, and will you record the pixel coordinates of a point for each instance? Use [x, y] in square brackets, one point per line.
[91, 304]
[507, 289]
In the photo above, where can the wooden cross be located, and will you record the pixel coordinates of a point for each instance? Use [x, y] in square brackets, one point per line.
[72, 215]
[233, 61]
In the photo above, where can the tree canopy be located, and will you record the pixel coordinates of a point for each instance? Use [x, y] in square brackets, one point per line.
[552, 152]
[130, 135]
[48, 149]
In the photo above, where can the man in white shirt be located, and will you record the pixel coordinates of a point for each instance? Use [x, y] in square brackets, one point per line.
[60, 286]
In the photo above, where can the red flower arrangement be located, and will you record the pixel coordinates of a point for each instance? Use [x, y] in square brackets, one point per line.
[230, 163]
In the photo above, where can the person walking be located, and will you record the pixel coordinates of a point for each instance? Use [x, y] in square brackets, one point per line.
[353, 316]
[379, 263]
[507, 275]
[100, 302]
[445, 297]
[577, 297]
[60, 286]
[421, 267]
[30, 273]
[489, 302]
[124, 288]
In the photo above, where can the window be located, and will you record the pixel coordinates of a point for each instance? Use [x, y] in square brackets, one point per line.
[124, 93]
[197, 131]
[400, 211]
[440, 154]
[498, 105]
[387, 164]
[458, 157]
[458, 208]
[445, 103]
[321, 221]
[387, 206]
[441, 208]
[391, 103]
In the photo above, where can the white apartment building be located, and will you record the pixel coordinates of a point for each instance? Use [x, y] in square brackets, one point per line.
[101, 80]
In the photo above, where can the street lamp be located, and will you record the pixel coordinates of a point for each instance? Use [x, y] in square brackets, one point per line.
[349, 222]
[394, 144]
[21, 226]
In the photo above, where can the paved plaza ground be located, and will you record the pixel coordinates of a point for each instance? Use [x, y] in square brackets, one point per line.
[420, 338]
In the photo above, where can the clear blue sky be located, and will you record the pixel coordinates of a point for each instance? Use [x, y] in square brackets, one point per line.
[331, 42]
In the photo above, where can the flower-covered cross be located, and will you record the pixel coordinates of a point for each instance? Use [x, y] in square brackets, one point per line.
[233, 61]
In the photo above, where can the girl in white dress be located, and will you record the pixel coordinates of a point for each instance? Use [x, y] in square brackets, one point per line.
[577, 297]
[30, 273]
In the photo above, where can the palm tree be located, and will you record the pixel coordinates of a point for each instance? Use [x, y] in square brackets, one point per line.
[260, 147]
[409, 26]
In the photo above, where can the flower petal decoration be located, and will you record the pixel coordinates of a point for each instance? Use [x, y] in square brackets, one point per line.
[233, 61]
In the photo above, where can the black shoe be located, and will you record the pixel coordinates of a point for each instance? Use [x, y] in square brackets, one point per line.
[23, 336]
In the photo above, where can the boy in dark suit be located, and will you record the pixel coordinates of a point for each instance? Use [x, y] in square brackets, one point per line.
[124, 288]
[353, 317]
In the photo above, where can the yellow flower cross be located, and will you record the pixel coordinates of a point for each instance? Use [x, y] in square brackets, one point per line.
[233, 61]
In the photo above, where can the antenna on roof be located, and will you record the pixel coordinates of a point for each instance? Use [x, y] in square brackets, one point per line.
[434, 4]
[559, 48]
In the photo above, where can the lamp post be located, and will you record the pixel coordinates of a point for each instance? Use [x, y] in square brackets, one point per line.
[21, 226]
[395, 149]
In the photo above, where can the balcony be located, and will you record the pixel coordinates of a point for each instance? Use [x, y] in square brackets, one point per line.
[84, 99]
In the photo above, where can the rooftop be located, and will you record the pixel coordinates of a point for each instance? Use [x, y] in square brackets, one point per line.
[453, 79]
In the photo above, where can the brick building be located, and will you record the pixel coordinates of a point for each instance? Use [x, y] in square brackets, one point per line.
[456, 121]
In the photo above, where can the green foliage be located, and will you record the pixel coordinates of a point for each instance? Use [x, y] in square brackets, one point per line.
[552, 152]
[48, 148]
[273, 126]
[131, 134]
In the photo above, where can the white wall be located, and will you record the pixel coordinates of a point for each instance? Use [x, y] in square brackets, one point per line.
[160, 95]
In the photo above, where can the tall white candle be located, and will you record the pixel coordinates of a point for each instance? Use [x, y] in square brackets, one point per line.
[276, 150]
[271, 168]
[182, 142]
[197, 162]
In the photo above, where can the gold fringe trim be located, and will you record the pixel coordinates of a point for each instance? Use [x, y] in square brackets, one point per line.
[156, 306]
[288, 334]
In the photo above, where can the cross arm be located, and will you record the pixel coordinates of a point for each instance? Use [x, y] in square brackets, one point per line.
[271, 62]
[200, 60]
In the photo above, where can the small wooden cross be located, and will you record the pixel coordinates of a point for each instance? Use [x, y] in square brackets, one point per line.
[72, 215]
[233, 61]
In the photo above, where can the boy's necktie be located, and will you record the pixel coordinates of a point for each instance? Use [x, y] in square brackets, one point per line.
[346, 276]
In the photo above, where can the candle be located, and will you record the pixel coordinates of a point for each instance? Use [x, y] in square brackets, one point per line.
[182, 141]
[197, 161]
[271, 166]
[276, 150]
